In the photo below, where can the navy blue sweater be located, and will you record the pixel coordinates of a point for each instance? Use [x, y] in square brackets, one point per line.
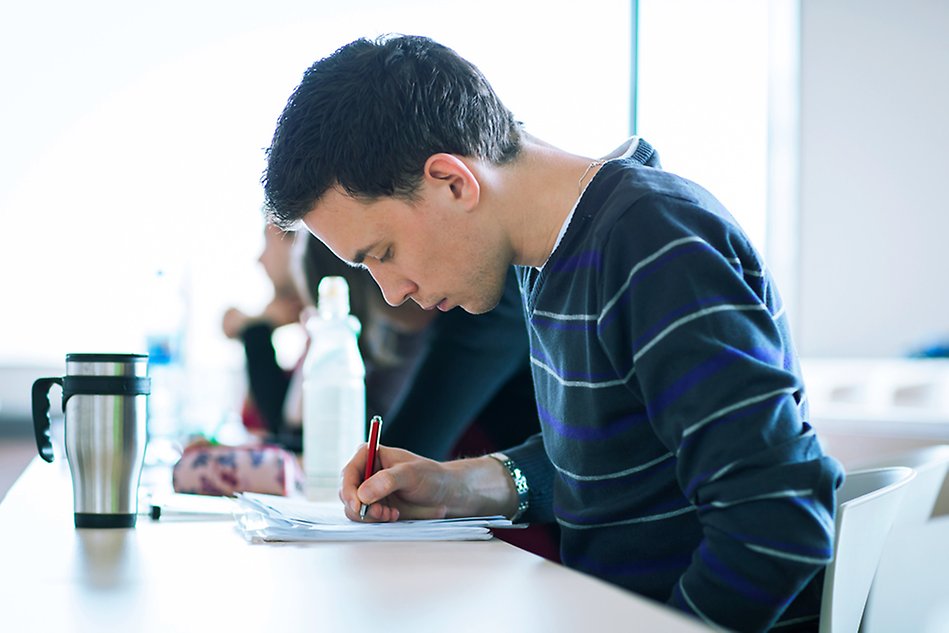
[675, 451]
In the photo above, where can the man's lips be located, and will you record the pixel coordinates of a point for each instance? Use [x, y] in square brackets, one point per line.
[432, 306]
[444, 305]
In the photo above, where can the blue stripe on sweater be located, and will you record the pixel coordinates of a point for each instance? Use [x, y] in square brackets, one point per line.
[653, 268]
[705, 370]
[738, 414]
[609, 430]
[704, 476]
[586, 259]
[671, 317]
[741, 585]
[639, 276]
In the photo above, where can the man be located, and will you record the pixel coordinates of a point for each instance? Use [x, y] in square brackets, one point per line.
[675, 453]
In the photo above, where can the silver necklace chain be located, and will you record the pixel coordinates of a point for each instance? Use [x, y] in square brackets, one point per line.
[586, 171]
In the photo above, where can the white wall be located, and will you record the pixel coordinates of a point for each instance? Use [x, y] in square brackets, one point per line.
[874, 212]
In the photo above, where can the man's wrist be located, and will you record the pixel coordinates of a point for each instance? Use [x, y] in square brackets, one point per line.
[518, 480]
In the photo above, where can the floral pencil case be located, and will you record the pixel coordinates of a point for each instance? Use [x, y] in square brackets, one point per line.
[211, 469]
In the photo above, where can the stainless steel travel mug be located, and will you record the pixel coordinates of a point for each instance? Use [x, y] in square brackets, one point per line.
[104, 399]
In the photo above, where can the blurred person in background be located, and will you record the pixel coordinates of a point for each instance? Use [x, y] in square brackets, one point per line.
[268, 382]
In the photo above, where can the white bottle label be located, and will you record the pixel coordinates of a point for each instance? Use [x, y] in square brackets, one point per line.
[334, 426]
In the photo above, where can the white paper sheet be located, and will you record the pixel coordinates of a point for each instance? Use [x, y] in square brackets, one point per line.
[273, 518]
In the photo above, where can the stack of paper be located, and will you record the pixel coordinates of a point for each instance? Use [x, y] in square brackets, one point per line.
[272, 518]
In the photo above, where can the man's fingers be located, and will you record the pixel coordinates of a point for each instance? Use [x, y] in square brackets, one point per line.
[405, 488]
[381, 513]
[351, 478]
[354, 470]
[398, 489]
[378, 487]
[416, 511]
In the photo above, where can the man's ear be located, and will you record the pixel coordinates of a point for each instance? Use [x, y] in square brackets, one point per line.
[457, 180]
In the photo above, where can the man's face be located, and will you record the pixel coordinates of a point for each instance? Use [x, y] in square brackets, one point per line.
[430, 251]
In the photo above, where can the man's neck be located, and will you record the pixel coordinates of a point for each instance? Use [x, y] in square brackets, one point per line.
[536, 193]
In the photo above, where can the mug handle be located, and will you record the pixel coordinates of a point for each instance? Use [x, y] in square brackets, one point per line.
[41, 415]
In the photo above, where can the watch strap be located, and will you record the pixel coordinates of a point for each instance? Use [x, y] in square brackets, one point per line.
[520, 483]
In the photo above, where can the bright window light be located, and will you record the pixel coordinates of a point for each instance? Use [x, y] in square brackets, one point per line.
[134, 141]
[703, 98]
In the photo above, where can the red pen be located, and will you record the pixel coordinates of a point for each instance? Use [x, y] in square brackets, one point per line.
[375, 430]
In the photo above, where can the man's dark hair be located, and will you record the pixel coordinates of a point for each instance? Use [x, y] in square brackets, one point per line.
[367, 117]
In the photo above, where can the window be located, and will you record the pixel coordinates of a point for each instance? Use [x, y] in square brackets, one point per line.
[703, 98]
[134, 142]
[717, 95]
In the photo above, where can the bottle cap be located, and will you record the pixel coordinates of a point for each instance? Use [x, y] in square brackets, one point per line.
[333, 301]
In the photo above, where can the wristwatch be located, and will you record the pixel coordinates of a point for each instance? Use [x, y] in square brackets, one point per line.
[520, 484]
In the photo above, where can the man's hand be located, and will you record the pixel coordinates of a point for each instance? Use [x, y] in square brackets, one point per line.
[409, 486]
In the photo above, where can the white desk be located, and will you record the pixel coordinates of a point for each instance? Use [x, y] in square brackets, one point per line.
[203, 577]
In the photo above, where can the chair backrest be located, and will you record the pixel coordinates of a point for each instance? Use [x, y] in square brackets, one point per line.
[931, 464]
[898, 584]
[867, 505]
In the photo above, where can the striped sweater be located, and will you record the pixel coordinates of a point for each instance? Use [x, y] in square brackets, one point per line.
[675, 451]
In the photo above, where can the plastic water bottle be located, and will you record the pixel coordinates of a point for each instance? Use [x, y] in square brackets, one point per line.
[164, 339]
[334, 391]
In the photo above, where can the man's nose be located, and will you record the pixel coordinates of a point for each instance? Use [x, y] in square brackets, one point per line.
[395, 288]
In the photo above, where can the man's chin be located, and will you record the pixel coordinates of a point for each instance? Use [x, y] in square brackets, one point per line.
[480, 308]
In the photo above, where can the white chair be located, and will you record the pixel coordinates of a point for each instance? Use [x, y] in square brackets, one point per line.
[931, 464]
[910, 589]
[867, 505]
[907, 589]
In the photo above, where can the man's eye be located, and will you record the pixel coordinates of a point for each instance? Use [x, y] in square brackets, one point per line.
[386, 256]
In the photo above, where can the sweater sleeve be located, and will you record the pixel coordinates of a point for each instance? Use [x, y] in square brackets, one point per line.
[692, 311]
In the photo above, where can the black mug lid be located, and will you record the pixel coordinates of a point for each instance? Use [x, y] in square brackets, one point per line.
[106, 358]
